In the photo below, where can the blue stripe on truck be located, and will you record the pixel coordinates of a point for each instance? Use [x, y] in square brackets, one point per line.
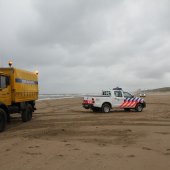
[18, 80]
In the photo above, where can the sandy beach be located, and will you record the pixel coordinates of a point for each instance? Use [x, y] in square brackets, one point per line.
[64, 136]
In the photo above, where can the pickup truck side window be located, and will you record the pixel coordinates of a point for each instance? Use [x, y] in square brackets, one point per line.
[118, 93]
[106, 93]
[3, 83]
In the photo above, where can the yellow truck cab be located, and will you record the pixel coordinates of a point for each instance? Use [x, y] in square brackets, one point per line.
[18, 93]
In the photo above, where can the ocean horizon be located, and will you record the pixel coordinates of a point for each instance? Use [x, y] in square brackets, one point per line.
[57, 96]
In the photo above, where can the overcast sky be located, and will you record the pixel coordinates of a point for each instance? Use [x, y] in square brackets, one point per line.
[83, 46]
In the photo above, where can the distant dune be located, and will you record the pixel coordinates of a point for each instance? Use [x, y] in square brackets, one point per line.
[163, 89]
[158, 91]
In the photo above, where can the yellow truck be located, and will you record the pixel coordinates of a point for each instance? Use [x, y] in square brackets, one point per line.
[18, 93]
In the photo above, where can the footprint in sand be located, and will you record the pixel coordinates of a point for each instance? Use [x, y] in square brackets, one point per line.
[64, 141]
[60, 155]
[131, 156]
[67, 144]
[146, 148]
[76, 149]
[30, 147]
[33, 153]
[167, 153]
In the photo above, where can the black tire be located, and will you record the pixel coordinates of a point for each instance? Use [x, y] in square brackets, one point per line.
[3, 120]
[106, 108]
[139, 107]
[127, 109]
[26, 114]
[30, 112]
[96, 109]
[8, 118]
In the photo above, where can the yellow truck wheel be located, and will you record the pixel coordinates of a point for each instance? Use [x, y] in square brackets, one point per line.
[30, 110]
[26, 114]
[2, 120]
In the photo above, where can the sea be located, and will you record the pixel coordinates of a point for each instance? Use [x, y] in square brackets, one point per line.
[58, 96]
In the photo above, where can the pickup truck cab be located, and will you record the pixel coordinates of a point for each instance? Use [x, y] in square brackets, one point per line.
[115, 98]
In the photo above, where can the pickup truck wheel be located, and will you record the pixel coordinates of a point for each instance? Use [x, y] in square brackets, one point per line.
[139, 107]
[26, 114]
[3, 120]
[106, 108]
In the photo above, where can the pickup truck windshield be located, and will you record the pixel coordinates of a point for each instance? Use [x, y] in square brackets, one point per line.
[127, 95]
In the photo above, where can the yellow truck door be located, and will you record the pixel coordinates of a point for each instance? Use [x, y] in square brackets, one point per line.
[5, 90]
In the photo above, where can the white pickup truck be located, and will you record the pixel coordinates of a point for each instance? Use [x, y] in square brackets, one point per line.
[115, 98]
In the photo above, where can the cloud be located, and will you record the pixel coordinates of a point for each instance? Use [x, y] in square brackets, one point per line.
[84, 46]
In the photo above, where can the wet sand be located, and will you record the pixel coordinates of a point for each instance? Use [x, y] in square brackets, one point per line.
[64, 136]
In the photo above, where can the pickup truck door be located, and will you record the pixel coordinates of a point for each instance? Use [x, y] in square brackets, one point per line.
[117, 98]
